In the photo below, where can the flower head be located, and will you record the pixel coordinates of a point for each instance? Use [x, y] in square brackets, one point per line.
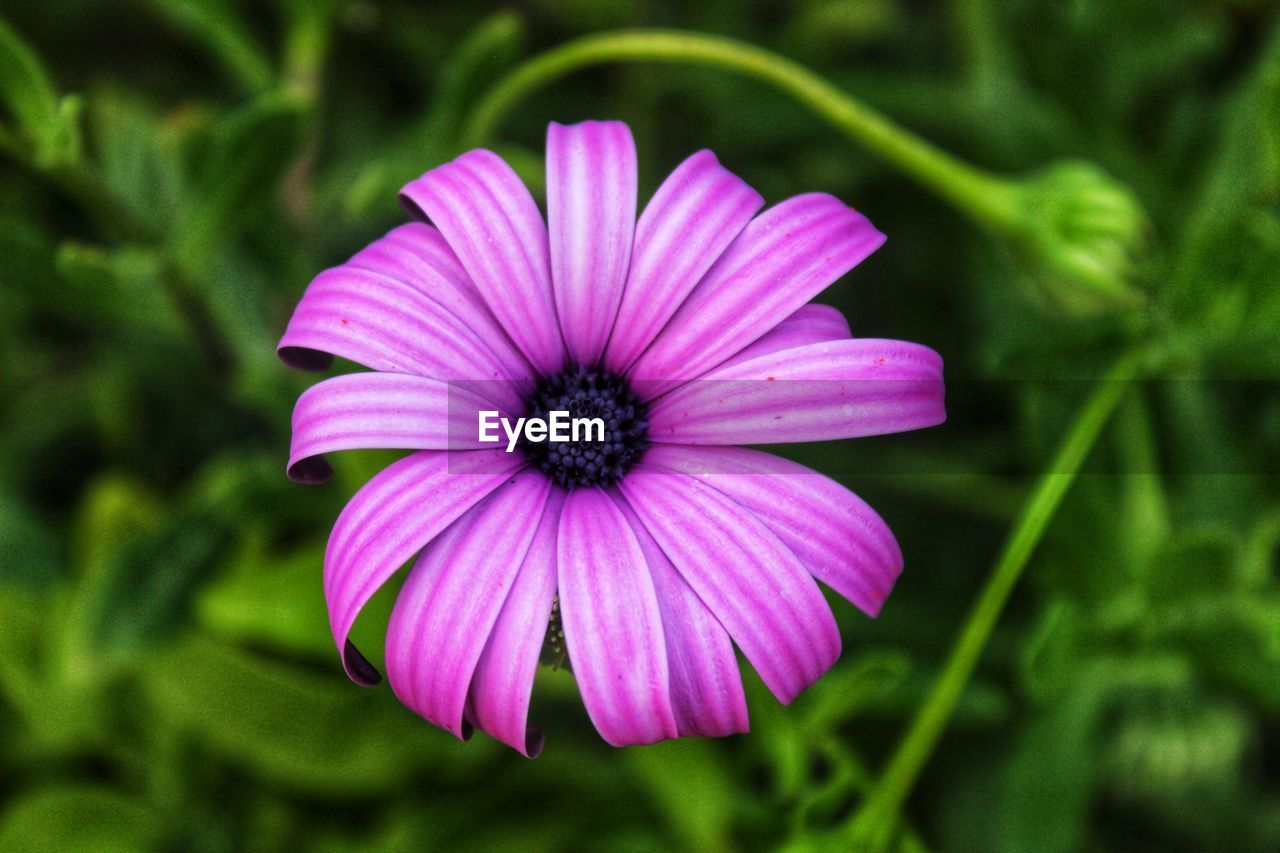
[659, 542]
[1082, 231]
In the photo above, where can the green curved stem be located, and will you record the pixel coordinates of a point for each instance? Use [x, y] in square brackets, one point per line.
[988, 198]
[873, 826]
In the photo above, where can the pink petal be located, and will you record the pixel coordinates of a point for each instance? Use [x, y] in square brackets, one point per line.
[449, 604]
[786, 256]
[591, 213]
[380, 410]
[389, 520]
[495, 229]
[840, 540]
[418, 255]
[696, 213]
[612, 624]
[503, 680]
[810, 324]
[752, 582]
[817, 392]
[706, 686]
[389, 325]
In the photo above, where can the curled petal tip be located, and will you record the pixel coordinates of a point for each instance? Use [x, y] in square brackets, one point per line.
[358, 667]
[411, 208]
[533, 743]
[303, 358]
[311, 470]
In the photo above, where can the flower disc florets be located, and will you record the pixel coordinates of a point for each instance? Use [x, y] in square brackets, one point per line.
[589, 394]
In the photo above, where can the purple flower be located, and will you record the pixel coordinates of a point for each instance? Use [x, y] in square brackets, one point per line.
[657, 549]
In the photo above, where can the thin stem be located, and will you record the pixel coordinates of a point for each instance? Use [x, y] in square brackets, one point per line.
[990, 199]
[305, 50]
[1142, 495]
[874, 824]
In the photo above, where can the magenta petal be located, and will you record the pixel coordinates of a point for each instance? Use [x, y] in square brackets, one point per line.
[612, 624]
[843, 542]
[839, 389]
[785, 257]
[752, 582]
[380, 410]
[503, 680]
[696, 213]
[448, 606]
[706, 686]
[388, 325]
[392, 517]
[591, 214]
[494, 227]
[809, 324]
[418, 255]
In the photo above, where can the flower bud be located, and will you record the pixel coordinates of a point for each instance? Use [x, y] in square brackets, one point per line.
[1081, 230]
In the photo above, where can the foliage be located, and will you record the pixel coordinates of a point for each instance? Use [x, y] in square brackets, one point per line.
[173, 173]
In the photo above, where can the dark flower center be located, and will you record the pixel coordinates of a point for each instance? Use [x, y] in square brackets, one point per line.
[592, 460]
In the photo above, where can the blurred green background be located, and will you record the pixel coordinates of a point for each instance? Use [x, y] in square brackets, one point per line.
[173, 172]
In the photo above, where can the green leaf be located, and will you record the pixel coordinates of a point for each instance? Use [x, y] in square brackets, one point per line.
[849, 689]
[139, 567]
[1144, 521]
[1241, 176]
[122, 288]
[313, 733]
[1235, 640]
[493, 43]
[80, 817]
[693, 788]
[248, 157]
[1054, 771]
[21, 647]
[309, 26]
[1180, 751]
[1050, 656]
[275, 603]
[139, 155]
[217, 26]
[29, 543]
[781, 744]
[1192, 564]
[48, 123]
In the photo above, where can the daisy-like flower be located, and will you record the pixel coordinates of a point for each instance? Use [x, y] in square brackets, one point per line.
[647, 555]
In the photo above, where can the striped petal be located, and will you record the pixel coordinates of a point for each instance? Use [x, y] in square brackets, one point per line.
[785, 257]
[390, 519]
[692, 218]
[753, 584]
[503, 680]
[810, 324]
[495, 229]
[843, 542]
[591, 214]
[818, 392]
[612, 623]
[706, 686]
[388, 325]
[448, 606]
[379, 410]
[418, 255]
